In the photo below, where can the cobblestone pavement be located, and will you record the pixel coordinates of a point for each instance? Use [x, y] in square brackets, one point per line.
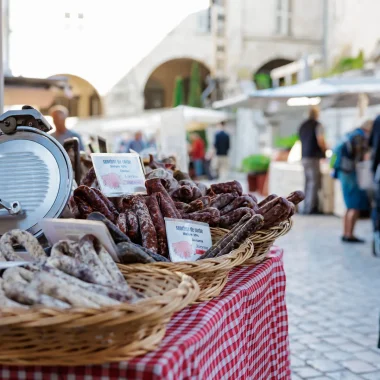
[333, 297]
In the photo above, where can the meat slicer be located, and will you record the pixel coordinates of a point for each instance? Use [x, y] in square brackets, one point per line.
[36, 175]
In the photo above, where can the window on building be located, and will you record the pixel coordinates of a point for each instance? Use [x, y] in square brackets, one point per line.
[67, 15]
[80, 15]
[204, 21]
[284, 17]
[220, 48]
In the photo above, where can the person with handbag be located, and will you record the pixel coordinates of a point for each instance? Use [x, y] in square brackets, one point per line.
[348, 154]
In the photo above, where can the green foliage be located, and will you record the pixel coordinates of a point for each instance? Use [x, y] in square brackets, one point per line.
[257, 163]
[263, 81]
[348, 63]
[179, 92]
[195, 90]
[286, 142]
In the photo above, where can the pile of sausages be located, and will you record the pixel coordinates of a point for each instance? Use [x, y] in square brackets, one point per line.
[79, 274]
[173, 194]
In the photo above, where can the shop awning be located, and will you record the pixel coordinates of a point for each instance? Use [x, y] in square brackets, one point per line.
[323, 87]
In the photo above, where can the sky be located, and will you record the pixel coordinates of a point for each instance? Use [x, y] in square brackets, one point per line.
[112, 37]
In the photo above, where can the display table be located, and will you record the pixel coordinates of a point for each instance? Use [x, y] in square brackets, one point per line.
[242, 334]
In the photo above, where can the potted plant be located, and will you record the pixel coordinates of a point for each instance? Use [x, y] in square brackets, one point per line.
[256, 166]
[283, 146]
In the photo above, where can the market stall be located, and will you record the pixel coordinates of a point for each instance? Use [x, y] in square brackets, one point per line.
[169, 126]
[134, 264]
[243, 333]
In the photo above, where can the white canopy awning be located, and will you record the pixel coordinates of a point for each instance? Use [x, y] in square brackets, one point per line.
[150, 121]
[323, 87]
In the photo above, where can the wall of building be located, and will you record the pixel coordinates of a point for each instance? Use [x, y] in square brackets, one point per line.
[185, 41]
[353, 26]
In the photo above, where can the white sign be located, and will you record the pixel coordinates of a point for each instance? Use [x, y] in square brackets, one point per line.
[11, 264]
[119, 174]
[72, 229]
[187, 239]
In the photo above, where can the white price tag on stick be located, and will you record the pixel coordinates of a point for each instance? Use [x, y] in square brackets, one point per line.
[119, 174]
[72, 229]
[187, 239]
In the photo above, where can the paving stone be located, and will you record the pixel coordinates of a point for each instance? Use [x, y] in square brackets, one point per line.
[297, 362]
[295, 376]
[310, 354]
[324, 365]
[339, 356]
[372, 376]
[344, 375]
[369, 357]
[352, 347]
[358, 366]
[307, 372]
[297, 347]
[336, 340]
[322, 347]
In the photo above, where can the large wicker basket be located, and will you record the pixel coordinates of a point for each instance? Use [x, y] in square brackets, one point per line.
[93, 336]
[210, 274]
[262, 240]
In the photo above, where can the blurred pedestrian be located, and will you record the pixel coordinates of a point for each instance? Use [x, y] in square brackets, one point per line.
[349, 153]
[60, 114]
[222, 146]
[374, 143]
[137, 144]
[197, 153]
[313, 150]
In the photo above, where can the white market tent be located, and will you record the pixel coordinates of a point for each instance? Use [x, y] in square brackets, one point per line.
[169, 124]
[323, 88]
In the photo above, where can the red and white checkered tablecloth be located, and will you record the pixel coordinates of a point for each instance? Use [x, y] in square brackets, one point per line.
[242, 334]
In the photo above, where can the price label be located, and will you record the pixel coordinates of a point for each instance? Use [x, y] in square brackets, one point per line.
[72, 229]
[119, 174]
[187, 239]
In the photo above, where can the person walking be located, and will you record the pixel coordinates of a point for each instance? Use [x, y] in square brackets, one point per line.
[222, 146]
[313, 150]
[374, 143]
[351, 151]
[197, 153]
[60, 114]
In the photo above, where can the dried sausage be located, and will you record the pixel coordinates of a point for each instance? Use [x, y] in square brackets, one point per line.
[227, 187]
[234, 216]
[222, 200]
[147, 229]
[159, 223]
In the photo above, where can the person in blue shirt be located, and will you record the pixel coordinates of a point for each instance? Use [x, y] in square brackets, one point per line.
[222, 146]
[137, 144]
[352, 150]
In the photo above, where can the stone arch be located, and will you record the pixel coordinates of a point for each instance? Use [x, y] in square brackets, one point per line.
[82, 99]
[262, 74]
[159, 86]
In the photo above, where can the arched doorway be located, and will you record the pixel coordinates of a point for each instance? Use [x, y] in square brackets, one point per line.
[82, 99]
[159, 88]
[262, 76]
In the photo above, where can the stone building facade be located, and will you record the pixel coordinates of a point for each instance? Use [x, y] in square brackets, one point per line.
[235, 39]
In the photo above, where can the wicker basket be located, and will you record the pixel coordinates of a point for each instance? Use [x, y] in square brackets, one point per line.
[93, 336]
[210, 274]
[262, 240]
